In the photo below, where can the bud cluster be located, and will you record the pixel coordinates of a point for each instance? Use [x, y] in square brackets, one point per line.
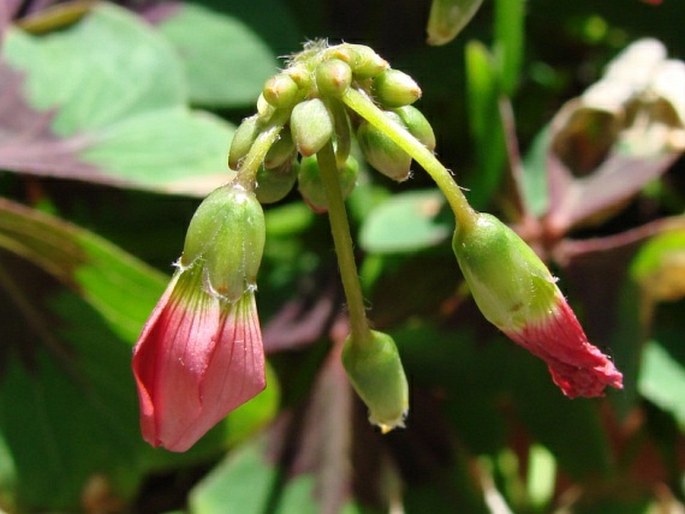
[308, 95]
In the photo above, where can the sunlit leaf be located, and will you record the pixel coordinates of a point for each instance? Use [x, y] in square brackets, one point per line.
[104, 101]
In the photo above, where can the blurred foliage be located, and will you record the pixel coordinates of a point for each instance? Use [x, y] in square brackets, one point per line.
[114, 119]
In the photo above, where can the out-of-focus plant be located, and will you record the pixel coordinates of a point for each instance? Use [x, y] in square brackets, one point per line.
[105, 151]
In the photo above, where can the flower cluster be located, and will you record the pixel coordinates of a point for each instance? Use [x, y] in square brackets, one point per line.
[200, 354]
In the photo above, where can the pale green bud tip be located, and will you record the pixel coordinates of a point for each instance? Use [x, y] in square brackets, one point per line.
[510, 284]
[226, 237]
[333, 77]
[448, 17]
[311, 126]
[281, 90]
[394, 88]
[244, 136]
[376, 373]
[365, 63]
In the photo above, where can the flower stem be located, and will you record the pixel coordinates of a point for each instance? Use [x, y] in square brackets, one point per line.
[247, 173]
[364, 106]
[340, 228]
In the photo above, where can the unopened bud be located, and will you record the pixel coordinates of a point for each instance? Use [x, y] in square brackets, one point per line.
[394, 88]
[417, 125]
[333, 77]
[227, 233]
[274, 184]
[364, 61]
[244, 136]
[311, 186]
[382, 152]
[311, 126]
[281, 151]
[281, 91]
[448, 17]
[376, 373]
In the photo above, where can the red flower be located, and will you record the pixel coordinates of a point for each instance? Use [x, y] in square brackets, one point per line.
[198, 357]
[577, 367]
[517, 293]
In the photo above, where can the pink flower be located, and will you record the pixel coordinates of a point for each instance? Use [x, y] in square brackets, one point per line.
[516, 292]
[577, 367]
[198, 358]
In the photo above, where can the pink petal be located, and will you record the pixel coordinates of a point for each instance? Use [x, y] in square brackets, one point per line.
[197, 359]
[577, 367]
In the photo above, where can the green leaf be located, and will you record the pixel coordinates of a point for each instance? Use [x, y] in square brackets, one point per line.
[225, 60]
[662, 380]
[104, 101]
[406, 222]
[509, 40]
[485, 123]
[534, 183]
[121, 288]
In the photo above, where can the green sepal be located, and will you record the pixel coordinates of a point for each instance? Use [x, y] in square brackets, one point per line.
[376, 373]
[244, 136]
[417, 125]
[226, 237]
[510, 284]
[281, 91]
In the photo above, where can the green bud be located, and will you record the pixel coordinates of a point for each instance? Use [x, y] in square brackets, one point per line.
[226, 236]
[365, 63]
[301, 74]
[311, 186]
[244, 136]
[417, 125]
[281, 151]
[448, 17]
[333, 77]
[281, 91]
[311, 126]
[394, 88]
[274, 184]
[264, 108]
[382, 152]
[508, 281]
[376, 373]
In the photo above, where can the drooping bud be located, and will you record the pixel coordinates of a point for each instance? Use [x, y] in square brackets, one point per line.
[301, 74]
[281, 151]
[274, 184]
[311, 126]
[227, 232]
[417, 125]
[311, 186]
[376, 373]
[281, 91]
[448, 17]
[365, 63]
[333, 77]
[516, 292]
[382, 152]
[394, 88]
[244, 136]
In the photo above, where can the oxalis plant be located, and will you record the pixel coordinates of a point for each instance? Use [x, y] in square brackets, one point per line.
[200, 354]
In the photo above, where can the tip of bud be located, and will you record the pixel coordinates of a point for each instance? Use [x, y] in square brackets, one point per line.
[281, 91]
[311, 126]
[394, 88]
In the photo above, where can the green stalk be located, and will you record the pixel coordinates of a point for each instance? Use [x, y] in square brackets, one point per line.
[364, 106]
[247, 173]
[340, 228]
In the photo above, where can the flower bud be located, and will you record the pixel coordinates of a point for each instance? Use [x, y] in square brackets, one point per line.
[243, 137]
[227, 232]
[273, 184]
[301, 74]
[311, 126]
[281, 91]
[376, 373]
[281, 151]
[417, 125]
[382, 152]
[394, 88]
[311, 186]
[333, 77]
[365, 63]
[448, 17]
[516, 292]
